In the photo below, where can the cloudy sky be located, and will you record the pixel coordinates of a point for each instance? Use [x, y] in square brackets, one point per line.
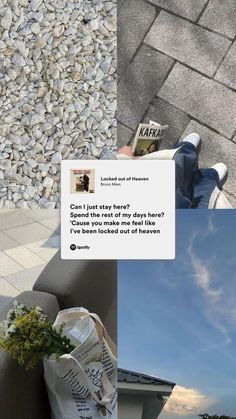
[177, 319]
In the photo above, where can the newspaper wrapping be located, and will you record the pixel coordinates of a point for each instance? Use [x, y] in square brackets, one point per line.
[82, 384]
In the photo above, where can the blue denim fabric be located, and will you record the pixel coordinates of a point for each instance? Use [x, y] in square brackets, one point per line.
[186, 164]
[193, 186]
[204, 182]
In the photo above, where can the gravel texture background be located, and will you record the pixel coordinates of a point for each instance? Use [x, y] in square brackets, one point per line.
[57, 93]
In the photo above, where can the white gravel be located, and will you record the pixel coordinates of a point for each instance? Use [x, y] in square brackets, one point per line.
[57, 93]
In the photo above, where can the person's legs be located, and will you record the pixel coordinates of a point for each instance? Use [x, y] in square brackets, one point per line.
[204, 182]
[182, 201]
[186, 164]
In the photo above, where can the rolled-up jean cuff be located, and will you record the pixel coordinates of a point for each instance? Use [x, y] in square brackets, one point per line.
[185, 145]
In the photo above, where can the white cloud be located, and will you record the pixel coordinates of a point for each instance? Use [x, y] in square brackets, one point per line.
[185, 401]
[211, 227]
[203, 278]
[202, 274]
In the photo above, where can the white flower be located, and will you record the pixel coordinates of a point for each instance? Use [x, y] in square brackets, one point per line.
[11, 314]
[11, 329]
[39, 309]
[4, 326]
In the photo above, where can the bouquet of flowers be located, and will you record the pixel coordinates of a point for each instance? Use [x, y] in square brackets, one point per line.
[29, 336]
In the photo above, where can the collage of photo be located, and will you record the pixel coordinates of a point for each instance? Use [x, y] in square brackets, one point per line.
[105, 337]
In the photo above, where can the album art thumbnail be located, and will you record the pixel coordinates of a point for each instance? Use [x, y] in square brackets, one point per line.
[82, 181]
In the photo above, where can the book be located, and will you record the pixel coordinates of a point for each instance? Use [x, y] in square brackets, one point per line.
[148, 138]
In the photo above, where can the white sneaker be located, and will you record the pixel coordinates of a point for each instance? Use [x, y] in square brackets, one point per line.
[193, 138]
[221, 169]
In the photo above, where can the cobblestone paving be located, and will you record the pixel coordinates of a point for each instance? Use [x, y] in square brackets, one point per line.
[177, 65]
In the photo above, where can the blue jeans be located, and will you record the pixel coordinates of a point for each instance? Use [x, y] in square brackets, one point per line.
[194, 186]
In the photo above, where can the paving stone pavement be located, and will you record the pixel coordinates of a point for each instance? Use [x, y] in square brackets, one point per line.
[177, 66]
[28, 240]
